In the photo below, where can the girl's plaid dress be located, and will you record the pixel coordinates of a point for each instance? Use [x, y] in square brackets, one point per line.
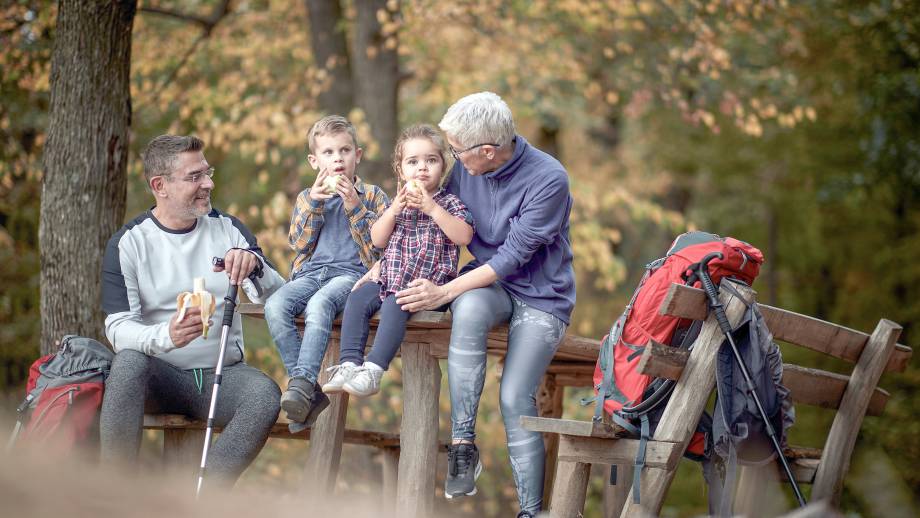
[419, 249]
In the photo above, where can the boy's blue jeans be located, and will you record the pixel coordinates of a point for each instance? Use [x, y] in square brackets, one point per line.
[319, 296]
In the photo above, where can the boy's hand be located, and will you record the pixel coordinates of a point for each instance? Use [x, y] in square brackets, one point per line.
[318, 191]
[346, 189]
[421, 200]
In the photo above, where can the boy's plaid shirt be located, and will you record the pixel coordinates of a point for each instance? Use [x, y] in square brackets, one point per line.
[307, 221]
[419, 249]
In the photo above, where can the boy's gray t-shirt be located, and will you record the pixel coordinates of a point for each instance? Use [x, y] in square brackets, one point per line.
[335, 248]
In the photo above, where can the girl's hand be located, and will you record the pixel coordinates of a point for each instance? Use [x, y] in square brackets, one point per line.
[399, 202]
[372, 275]
[318, 191]
[421, 200]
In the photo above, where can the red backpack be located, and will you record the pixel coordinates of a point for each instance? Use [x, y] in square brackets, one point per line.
[64, 395]
[633, 400]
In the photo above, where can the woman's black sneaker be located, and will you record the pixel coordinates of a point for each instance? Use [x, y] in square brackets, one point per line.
[463, 468]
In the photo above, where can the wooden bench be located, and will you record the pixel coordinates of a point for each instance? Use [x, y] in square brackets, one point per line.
[585, 443]
[412, 452]
[183, 439]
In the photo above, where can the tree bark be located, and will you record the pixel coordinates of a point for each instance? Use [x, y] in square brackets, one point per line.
[85, 161]
[375, 66]
[330, 51]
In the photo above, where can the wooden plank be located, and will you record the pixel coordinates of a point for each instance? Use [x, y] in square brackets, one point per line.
[787, 326]
[325, 454]
[658, 454]
[813, 387]
[572, 427]
[169, 422]
[803, 470]
[570, 489]
[835, 462]
[423, 323]
[418, 459]
[825, 389]
[687, 402]
[663, 361]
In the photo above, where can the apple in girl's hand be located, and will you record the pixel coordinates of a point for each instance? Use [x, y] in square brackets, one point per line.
[414, 186]
[331, 182]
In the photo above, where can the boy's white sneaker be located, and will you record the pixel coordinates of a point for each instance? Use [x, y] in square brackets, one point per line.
[366, 381]
[341, 375]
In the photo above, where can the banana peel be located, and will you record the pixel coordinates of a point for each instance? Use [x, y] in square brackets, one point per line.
[200, 298]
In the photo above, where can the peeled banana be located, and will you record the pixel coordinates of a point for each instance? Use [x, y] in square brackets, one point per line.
[198, 297]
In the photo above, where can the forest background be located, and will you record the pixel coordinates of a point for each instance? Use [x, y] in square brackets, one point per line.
[792, 125]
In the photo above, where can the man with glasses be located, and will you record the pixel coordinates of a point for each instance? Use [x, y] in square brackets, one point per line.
[521, 274]
[165, 365]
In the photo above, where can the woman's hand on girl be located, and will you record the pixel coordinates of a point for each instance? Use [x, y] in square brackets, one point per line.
[422, 294]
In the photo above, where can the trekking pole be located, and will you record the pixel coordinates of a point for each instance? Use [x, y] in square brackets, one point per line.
[229, 307]
[713, 294]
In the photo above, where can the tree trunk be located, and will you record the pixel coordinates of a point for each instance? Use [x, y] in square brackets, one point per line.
[330, 51]
[85, 160]
[375, 66]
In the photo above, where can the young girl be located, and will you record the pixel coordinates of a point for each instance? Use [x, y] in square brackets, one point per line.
[422, 231]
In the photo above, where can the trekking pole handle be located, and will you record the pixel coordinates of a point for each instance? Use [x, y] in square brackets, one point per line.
[230, 299]
[712, 292]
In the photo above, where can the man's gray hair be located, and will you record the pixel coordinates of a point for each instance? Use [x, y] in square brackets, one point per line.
[480, 118]
[162, 152]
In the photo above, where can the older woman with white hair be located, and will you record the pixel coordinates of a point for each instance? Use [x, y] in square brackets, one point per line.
[522, 274]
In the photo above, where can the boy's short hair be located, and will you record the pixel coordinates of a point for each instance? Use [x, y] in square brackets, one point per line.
[330, 125]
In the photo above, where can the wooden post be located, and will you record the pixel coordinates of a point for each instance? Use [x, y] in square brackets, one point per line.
[182, 448]
[570, 488]
[615, 496]
[549, 404]
[759, 492]
[326, 437]
[687, 402]
[835, 460]
[390, 460]
[418, 435]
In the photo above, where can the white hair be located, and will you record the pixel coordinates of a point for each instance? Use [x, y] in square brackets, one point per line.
[480, 118]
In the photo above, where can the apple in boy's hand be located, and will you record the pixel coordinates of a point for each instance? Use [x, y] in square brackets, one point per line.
[331, 182]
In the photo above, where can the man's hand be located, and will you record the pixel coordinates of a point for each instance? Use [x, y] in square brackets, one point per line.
[346, 189]
[318, 190]
[238, 264]
[422, 294]
[372, 275]
[189, 329]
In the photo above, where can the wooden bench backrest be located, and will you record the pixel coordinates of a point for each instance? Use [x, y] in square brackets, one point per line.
[854, 396]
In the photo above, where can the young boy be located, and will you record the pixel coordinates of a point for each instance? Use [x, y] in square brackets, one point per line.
[330, 230]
